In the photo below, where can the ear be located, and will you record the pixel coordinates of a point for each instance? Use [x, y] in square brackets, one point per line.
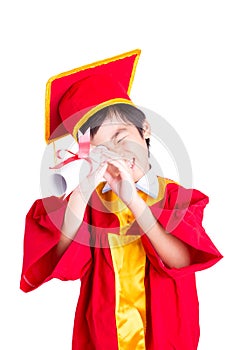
[146, 129]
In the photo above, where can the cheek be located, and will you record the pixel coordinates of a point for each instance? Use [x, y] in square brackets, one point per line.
[138, 148]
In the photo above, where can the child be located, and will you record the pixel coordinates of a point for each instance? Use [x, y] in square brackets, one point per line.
[135, 239]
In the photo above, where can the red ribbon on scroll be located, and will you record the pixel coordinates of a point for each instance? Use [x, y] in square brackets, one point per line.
[83, 152]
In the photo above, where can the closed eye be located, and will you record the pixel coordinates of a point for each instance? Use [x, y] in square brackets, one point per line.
[118, 141]
[119, 135]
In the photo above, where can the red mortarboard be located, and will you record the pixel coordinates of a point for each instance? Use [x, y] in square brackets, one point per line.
[73, 97]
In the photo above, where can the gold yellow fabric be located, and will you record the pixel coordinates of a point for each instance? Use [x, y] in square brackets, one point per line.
[112, 202]
[129, 260]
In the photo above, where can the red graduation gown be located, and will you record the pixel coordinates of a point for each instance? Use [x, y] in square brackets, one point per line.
[128, 298]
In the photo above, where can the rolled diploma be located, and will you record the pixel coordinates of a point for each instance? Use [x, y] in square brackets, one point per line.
[63, 181]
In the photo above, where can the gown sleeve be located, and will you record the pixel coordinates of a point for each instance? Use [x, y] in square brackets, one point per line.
[181, 214]
[42, 233]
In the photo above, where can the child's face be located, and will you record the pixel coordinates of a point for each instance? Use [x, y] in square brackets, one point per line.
[125, 140]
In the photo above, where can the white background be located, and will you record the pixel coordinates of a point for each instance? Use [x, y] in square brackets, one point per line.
[185, 74]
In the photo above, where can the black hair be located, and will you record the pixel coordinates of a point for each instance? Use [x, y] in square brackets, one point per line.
[126, 112]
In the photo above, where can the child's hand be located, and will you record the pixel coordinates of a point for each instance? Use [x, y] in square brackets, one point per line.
[108, 165]
[118, 175]
[97, 160]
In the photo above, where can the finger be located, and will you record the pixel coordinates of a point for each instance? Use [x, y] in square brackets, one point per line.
[97, 175]
[118, 163]
[122, 168]
[101, 170]
[108, 177]
[113, 170]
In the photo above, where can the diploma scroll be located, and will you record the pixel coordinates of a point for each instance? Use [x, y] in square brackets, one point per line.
[64, 180]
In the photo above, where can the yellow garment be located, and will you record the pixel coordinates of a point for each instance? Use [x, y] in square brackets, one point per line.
[129, 261]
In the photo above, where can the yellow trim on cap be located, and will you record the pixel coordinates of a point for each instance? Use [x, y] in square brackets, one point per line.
[76, 70]
[47, 109]
[97, 108]
[47, 113]
[133, 71]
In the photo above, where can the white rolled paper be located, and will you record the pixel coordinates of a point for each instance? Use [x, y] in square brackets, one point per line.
[63, 181]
